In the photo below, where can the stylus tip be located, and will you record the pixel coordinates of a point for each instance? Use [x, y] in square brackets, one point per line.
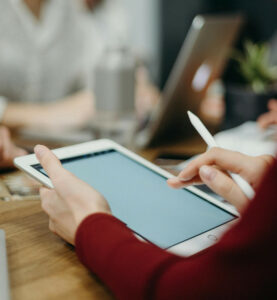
[191, 115]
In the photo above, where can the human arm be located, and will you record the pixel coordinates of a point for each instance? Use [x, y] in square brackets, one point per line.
[241, 265]
[70, 201]
[269, 118]
[8, 150]
[73, 111]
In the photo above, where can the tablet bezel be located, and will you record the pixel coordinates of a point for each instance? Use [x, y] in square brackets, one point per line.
[186, 248]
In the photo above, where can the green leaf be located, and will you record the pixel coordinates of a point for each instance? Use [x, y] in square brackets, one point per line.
[254, 65]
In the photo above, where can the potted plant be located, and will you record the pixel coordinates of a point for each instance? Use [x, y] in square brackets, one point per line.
[247, 100]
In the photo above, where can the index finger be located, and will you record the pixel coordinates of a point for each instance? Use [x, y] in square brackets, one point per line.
[272, 104]
[49, 162]
[227, 160]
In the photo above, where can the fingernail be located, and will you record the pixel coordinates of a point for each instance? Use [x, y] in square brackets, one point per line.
[173, 180]
[207, 173]
[39, 150]
[184, 179]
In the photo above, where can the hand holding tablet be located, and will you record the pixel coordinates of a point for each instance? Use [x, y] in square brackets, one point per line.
[74, 199]
[184, 221]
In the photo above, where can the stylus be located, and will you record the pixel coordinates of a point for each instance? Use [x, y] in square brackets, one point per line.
[208, 138]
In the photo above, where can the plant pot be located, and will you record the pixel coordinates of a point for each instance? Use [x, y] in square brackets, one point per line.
[242, 105]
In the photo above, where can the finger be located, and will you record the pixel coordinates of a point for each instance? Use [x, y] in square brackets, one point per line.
[262, 120]
[272, 104]
[61, 178]
[50, 163]
[177, 183]
[224, 186]
[267, 119]
[224, 159]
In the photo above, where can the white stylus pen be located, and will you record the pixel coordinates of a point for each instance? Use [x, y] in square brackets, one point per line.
[208, 138]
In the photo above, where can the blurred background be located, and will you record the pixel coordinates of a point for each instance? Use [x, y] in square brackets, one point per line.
[82, 69]
[77, 70]
[166, 23]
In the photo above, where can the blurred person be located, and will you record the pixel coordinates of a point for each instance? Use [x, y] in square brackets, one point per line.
[241, 265]
[46, 59]
[48, 50]
[44, 79]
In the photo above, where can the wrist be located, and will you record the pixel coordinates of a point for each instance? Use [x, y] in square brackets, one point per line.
[89, 220]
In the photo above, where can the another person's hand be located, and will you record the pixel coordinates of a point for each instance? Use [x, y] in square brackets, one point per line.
[210, 168]
[71, 200]
[8, 151]
[73, 112]
[269, 118]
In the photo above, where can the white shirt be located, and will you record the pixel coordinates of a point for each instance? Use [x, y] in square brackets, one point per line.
[45, 60]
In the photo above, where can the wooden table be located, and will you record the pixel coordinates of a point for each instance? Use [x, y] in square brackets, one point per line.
[41, 265]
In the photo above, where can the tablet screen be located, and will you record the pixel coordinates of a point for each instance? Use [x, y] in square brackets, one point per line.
[142, 199]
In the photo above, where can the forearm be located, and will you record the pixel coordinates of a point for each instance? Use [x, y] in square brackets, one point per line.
[71, 111]
[242, 264]
[19, 115]
[108, 248]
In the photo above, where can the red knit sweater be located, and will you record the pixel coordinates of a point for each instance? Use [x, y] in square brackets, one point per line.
[242, 265]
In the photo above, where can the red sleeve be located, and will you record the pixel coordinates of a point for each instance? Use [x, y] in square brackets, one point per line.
[241, 265]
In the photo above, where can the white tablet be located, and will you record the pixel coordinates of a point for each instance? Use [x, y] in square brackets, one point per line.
[183, 221]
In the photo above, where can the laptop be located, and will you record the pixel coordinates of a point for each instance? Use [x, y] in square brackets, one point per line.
[4, 277]
[200, 62]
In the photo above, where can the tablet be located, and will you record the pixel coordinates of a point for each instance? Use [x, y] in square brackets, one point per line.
[184, 221]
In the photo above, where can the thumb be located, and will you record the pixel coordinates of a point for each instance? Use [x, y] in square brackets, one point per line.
[49, 162]
[224, 186]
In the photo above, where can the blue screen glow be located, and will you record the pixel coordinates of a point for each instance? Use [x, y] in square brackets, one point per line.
[142, 199]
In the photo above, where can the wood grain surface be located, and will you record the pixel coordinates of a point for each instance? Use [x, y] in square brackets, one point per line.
[41, 265]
